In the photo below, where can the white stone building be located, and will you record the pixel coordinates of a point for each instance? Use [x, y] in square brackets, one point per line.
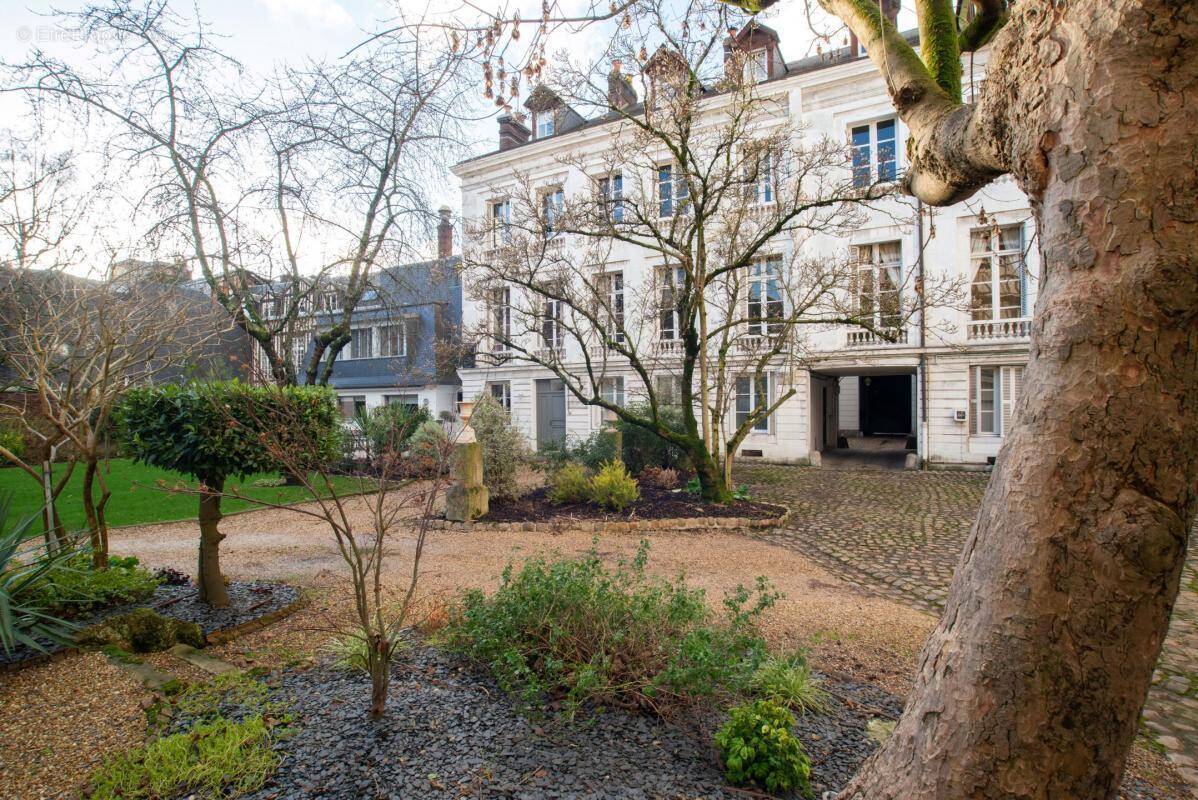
[944, 389]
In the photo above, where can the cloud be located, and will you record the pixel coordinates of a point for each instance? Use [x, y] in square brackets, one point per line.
[326, 13]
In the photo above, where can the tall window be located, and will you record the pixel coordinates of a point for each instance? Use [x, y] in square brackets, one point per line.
[544, 124]
[501, 391]
[501, 318]
[611, 192]
[879, 276]
[612, 390]
[551, 323]
[352, 406]
[392, 341]
[875, 152]
[613, 289]
[992, 395]
[750, 395]
[552, 203]
[668, 389]
[673, 194]
[765, 312]
[670, 298]
[410, 401]
[299, 352]
[501, 223]
[760, 176]
[998, 288]
[361, 343]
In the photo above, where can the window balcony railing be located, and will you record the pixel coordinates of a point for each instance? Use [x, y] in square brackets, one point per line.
[668, 347]
[984, 330]
[871, 339]
[551, 354]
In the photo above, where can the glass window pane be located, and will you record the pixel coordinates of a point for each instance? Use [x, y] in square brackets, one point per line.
[887, 165]
[861, 155]
[979, 241]
[1011, 237]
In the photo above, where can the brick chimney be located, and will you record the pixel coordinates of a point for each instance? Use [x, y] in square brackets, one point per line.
[512, 132]
[620, 94]
[445, 233]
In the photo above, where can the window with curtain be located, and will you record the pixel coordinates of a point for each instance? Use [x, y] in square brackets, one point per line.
[392, 341]
[993, 391]
[998, 281]
[613, 289]
[501, 318]
[750, 395]
[672, 191]
[765, 311]
[879, 277]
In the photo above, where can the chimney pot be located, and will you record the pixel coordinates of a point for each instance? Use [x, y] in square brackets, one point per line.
[445, 233]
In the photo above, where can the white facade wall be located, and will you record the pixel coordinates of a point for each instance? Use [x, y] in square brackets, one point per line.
[828, 101]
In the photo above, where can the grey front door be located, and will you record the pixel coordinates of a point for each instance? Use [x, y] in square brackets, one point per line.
[551, 411]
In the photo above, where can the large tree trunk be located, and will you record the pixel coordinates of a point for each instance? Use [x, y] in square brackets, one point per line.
[1032, 685]
[208, 577]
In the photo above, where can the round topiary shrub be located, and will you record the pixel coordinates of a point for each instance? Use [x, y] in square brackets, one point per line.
[758, 747]
[570, 484]
[612, 487]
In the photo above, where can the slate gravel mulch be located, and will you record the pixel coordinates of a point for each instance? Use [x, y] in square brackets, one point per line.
[248, 600]
[654, 503]
[450, 731]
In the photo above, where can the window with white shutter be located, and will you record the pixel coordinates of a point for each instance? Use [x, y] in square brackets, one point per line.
[993, 392]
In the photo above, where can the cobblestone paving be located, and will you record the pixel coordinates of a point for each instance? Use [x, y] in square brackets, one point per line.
[899, 534]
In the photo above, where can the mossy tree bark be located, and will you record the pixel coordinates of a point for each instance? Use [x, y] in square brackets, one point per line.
[1032, 685]
[209, 579]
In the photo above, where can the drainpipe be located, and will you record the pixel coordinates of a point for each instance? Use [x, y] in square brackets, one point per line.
[923, 332]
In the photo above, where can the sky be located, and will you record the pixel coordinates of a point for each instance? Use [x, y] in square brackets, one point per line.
[263, 34]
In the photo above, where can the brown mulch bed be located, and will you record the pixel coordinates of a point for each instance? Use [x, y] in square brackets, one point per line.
[655, 503]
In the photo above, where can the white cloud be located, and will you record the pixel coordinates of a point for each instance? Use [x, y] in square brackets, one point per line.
[328, 13]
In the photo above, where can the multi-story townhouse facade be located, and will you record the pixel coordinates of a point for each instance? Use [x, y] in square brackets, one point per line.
[403, 335]
[944, 385]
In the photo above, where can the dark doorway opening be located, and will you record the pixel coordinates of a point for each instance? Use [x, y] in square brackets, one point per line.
[886, 405]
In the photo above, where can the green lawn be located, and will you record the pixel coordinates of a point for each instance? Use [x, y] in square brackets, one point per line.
[137, 499]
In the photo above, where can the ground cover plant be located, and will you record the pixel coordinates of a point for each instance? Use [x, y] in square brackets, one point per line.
[138, 500]
[74, 587]
[584, 633]
[758, 747]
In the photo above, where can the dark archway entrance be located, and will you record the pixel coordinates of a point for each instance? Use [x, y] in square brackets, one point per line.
[886, 405]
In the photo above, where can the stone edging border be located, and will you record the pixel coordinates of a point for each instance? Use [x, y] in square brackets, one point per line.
[216, 638]
[226, 635]
[601, 526]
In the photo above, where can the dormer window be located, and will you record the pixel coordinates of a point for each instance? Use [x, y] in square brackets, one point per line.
[757, 66]
[544, 124]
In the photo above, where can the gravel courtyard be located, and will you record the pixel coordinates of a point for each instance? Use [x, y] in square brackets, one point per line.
[898, 534]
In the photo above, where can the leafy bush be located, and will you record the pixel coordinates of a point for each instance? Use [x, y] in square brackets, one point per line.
[73, 587]
[389, 428]
[221, 758]
[660, 477]
[758, 747]
[580, 631]
[427, 451]
[12, 439]
[643, 448]
[168, 576]
[570, 484]
[502, 445]
[142, 630]
[591, 452]
[612, 487]
[790, 683]
[25, 564]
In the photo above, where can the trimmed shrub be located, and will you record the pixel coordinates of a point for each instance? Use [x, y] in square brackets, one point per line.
[758, 747]
[426, 450]
[660, 477]
[612, 487]
[12, 438]
[643, 448]
[577, 630]
[503, 447]
[570, 484]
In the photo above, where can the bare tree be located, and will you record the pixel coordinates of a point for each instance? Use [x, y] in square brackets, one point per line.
[712, 180]
[350, 149]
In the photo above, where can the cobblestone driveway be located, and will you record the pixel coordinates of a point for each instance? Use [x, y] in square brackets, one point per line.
[900, 533]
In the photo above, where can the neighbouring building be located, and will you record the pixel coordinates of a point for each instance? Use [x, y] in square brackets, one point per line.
[403, 338]
[944, 387]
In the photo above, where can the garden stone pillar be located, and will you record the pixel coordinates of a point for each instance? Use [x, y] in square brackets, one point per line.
[468, 498]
